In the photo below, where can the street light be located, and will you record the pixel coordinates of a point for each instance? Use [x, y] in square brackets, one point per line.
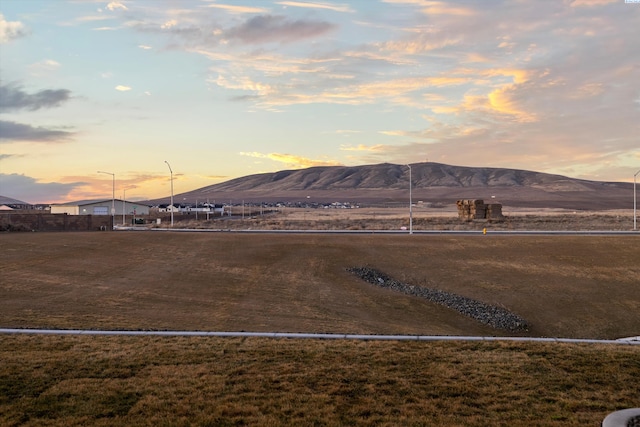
[124, 202]
[634, 200]
[113, 197]
[171, 173]
[410, 204]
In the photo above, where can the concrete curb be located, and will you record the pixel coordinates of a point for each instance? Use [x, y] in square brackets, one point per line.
[308, 336]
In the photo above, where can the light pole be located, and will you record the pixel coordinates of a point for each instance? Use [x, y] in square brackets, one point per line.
[410, 204]
[171, 174]
[113, 197]
[124, 202]
[634, 200]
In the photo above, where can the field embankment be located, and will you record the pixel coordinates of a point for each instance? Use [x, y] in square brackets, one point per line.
[563, 286]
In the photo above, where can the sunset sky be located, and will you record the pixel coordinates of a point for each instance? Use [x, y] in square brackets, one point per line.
[223, 89]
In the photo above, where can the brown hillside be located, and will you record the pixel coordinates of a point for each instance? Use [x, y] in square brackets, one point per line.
[431, 182]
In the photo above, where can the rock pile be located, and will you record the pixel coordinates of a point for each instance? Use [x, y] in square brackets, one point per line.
[493, 316]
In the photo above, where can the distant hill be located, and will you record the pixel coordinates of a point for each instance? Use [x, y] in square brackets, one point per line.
[9, 201]
[431, 182]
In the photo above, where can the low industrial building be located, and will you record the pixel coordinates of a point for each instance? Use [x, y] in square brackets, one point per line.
[100, 207]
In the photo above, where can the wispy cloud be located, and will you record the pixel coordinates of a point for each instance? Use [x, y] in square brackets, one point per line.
[116, 5]
[316, 5]
[270, 28]
[15, 132]
[93, 18]
[291, 160]
[436, 7]
[592, 3]
[238, 9]
[44, 67]
[29, 189]
[13, 98]
[363, 148]
[122, 88]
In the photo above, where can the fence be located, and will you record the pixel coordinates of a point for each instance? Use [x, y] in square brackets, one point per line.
[54, 222]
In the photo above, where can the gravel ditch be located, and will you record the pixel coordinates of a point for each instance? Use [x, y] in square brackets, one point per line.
[493, 316]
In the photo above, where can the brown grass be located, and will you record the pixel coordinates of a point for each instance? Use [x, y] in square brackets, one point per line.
[111, 381]
[571, 286]
[424, 218]
[567, 286]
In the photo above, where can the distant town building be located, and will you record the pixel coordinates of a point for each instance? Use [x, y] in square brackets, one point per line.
[100, 207]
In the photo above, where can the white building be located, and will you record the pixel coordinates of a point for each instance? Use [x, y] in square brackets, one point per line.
[100, 207]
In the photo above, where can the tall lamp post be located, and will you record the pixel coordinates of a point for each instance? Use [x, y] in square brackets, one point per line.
[171, 174]
[124, 203]
[634, 200]
[410, 204]
[113, 197]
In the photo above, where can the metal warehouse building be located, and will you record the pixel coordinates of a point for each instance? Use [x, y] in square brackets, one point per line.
[100, 207]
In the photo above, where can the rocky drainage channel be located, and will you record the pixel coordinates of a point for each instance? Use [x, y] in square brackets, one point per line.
[493, 316]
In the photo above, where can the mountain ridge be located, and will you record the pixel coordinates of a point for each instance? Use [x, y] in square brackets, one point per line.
[437, 183]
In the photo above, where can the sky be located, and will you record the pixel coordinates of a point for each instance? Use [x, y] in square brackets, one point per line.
[211, 90]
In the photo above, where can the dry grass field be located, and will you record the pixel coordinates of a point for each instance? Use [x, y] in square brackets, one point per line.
[151, 381]
[424, 218]
[565, 286]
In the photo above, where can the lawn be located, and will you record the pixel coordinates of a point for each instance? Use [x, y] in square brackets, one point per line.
[564, 286]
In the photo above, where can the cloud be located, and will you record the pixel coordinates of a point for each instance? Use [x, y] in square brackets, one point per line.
[10, 156]
[169, 24]
[13, 98]
[292, 161]
[145, 47]
[276, 29]
[93, 18]
[313, 5]
[238, 9]
[592, 3]
[10, 30]
[44, 67]
[363, 147]
[115, 5]
[346, 132]
[436, 7]
[13, 131]
[22, 187]
[122, 88]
